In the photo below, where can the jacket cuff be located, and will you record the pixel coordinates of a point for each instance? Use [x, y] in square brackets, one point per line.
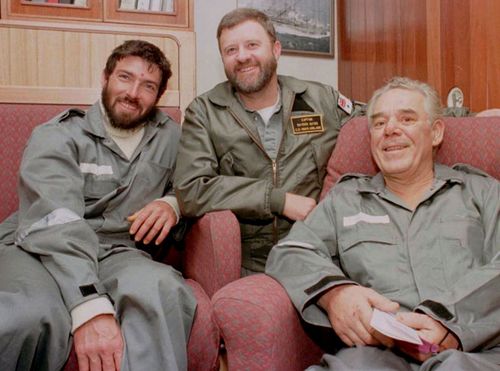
[172, 201]
[90, 309]
[277, 202]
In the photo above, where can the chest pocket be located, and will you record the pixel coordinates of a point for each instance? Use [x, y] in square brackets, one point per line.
[461, 243]
[370, 255]
[99, 186]
[153, 178]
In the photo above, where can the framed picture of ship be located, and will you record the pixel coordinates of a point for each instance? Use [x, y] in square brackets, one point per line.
[304, 27]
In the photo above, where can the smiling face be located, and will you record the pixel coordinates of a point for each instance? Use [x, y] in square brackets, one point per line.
[130, 92]
[402, 138]
[249, 56]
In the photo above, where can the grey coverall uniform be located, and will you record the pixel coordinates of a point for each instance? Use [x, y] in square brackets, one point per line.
[442, 259]
[223, 162]
[69, 243]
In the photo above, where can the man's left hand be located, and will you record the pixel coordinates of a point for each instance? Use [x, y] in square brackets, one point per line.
[154, 219]
[430, 330]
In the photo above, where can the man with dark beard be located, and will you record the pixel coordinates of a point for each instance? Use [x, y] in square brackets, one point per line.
[258, 143]
[93, 185]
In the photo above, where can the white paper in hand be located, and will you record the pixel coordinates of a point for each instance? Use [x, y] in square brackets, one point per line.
[388, 325]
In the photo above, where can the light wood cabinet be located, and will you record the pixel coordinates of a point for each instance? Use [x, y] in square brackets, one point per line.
[55, 54]
[178, 14]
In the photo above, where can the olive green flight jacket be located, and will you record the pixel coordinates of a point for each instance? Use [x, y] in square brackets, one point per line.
[222, 163]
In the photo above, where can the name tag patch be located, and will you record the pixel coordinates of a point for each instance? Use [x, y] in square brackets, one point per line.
[96, 169]
[349, 221]
[307, 124]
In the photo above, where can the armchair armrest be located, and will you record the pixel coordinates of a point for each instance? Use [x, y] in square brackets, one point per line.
[212, 255]
[261, 328]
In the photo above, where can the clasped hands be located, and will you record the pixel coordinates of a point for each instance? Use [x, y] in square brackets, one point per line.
[349, 309]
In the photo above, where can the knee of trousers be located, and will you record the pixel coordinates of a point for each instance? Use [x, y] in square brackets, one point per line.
[150, 285]
[34, 311]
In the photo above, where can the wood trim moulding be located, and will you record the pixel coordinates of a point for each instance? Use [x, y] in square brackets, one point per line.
[107, 28]
[58, 95]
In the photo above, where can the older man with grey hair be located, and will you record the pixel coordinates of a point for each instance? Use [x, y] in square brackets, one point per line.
[419, 240]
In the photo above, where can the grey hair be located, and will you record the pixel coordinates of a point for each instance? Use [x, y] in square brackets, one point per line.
[432, 102]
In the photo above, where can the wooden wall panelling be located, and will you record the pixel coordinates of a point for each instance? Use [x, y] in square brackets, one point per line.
[455, 47]
[477, 96]
[98, 56]
[22, 65]
[433, 33]
[4, 57]
[171, 50]
[344, 48]
[358, 50]
[64, 64]
[378, 40]
[493, 49]
[77, 48]
[389, 42]
[446, 43]
[413, 26]
[51, 62]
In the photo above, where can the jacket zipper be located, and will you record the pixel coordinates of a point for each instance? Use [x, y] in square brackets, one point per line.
[286, 116]
[273, 162]
[275, 219]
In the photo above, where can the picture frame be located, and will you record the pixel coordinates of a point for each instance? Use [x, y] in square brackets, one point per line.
[304, 27]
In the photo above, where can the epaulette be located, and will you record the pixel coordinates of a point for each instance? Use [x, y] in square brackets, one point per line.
[71, 113]
[348, 176]
[469, 169]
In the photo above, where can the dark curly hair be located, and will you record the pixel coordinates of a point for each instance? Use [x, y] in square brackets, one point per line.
[145, 50]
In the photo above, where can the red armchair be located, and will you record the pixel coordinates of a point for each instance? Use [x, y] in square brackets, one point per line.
[258, 323]
[16, 123]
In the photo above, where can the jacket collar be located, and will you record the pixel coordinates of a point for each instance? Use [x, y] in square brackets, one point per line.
[224, 95]
[442, 175]
[95, 116]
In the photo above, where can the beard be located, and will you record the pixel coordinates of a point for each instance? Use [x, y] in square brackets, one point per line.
[121, 120]
[267, 70]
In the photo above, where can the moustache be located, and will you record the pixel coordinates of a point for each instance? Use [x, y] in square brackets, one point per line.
[133, 102]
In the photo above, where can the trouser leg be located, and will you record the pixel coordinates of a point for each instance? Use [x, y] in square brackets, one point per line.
[155, 309]
[454, 360]
[362, 359]
[34, 322]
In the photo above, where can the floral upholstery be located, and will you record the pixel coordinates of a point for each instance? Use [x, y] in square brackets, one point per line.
[466, 140]
[260, 327]
[258, 323]
[212, 255]
[16, 123]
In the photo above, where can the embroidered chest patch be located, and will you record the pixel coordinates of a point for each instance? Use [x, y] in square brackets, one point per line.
[307, 124]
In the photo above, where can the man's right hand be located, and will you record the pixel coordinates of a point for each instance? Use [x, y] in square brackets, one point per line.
[99, 344]
[349, 309]
[297, 207]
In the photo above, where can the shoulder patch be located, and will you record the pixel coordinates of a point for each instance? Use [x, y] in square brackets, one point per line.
[345, 104]
[71, 113]
[469, 169]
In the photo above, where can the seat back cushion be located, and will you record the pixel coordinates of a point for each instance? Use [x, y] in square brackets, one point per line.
[470, 140]
[16, 123]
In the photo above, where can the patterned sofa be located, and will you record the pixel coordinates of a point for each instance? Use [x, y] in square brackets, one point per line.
[259, 325]
[16, 124]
